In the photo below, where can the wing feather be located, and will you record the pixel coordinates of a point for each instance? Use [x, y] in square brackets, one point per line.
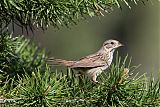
[94, 60]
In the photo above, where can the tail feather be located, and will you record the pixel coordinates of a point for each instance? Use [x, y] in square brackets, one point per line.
[52, 61]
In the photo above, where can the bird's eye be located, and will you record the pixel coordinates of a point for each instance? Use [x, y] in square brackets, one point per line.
[112, 43]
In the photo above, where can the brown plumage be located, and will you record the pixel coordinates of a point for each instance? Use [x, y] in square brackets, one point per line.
[95, 63]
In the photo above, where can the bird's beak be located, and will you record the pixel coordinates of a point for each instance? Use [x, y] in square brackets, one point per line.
[120, 44]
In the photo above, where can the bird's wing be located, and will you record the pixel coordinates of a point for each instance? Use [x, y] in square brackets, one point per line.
[94, 60]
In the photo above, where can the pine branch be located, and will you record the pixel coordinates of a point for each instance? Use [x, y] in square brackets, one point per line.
[117, 89]
[17, 56]
[43, 13]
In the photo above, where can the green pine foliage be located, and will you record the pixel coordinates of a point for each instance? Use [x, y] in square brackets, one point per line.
[58, 89]
[27, 81]
[43, 13]
[17, 56]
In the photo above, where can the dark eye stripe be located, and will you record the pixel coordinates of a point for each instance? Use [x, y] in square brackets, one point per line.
[106, 43]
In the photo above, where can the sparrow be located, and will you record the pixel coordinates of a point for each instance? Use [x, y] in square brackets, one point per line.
[94, 64]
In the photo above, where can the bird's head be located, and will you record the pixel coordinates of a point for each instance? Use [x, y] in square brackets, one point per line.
[110, 45]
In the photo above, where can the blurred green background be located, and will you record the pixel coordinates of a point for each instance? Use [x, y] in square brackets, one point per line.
[137, 28]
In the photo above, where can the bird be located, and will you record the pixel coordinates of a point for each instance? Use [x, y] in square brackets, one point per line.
[92, 65]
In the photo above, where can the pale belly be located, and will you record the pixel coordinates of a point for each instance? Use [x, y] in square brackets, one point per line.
[99, 70]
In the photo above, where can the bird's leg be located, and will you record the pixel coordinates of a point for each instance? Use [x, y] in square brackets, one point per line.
[94, 77]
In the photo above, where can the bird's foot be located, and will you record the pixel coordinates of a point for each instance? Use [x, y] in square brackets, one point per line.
[96, 82]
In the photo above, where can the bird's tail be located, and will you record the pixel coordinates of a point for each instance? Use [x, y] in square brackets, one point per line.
[52, 61]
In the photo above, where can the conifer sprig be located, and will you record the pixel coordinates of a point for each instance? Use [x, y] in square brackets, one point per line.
[43, 13]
